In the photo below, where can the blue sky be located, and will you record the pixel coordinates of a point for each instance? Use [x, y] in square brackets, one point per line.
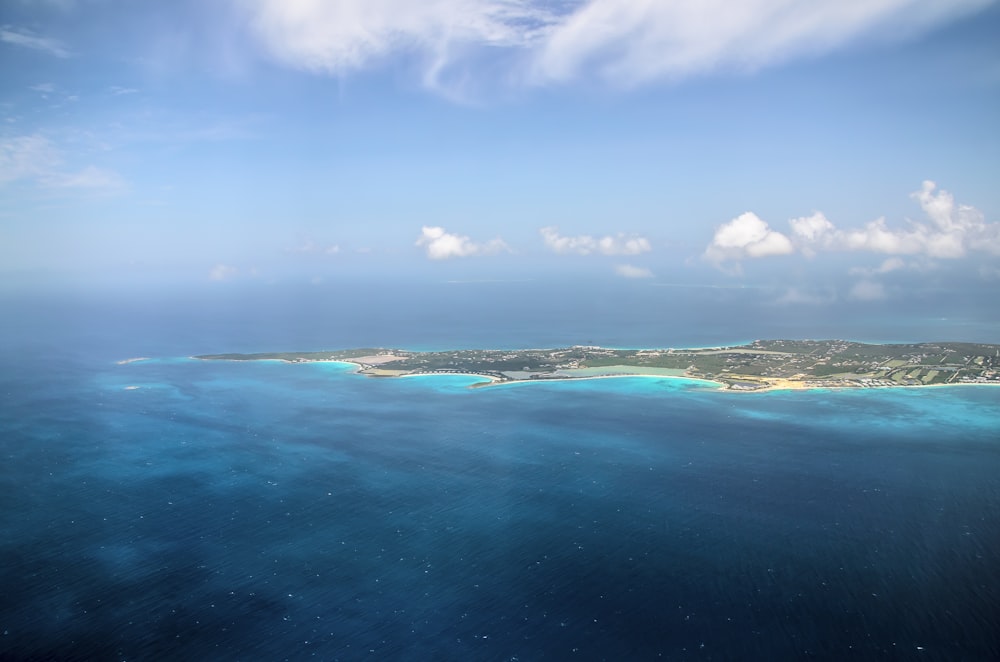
[846, 148]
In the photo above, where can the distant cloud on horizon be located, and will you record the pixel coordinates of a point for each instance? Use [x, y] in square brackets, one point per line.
[442, 245]
[585, 244]
[953, 231]
[310, 247]
[221, 272]
[631, 271]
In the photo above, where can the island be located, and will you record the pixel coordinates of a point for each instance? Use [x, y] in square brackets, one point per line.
[760, 365]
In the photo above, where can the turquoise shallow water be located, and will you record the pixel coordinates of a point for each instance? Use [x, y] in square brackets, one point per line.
[271, 511]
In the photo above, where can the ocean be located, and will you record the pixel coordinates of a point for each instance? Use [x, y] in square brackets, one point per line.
[180, 509]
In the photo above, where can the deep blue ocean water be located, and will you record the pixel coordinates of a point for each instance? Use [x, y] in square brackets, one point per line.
[273, 511]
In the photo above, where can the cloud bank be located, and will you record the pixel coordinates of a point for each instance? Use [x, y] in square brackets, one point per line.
[442, 245]
[585, 244]
[622, 42]
[950, 231]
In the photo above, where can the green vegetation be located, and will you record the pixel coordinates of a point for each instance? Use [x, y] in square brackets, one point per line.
[761, 364]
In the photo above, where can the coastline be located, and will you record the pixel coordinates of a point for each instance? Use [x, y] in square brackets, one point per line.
[761, 366]
[492, 380]
[776, 384]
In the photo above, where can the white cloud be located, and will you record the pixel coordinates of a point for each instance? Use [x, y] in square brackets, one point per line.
[35, 158]
[28, 40]
[623, 42]
[746, 236]
[585, 244]
[222, 272]
[953, 230]
[441, 245]
[344, 36]
[867, 290]
[89, 177]
[630, 271]
[810, 231]
[629, 42]
[960, 227]
[27, 157]
[877, 237]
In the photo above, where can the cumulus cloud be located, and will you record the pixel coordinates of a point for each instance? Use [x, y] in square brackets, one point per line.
[956, 228]
[630, 271]
[585, 244]
[811, 231]
[746, 236]
[623, 42]
[441, 245]
[951, 231]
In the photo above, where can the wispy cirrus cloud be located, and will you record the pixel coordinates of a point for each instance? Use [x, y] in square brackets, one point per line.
[620, 42]
[627, 42]
[346, 36]
[34, 158]
[585, 244]
[442, 245]
[30, 40]
[27, 157]
[951, 231]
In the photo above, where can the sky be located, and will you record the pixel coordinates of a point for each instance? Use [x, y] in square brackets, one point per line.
[839, 148]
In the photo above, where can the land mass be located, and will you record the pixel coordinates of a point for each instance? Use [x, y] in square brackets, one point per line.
[760, 365]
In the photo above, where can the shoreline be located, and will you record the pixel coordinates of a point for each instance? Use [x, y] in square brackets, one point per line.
[761, 366]
[709, 384]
